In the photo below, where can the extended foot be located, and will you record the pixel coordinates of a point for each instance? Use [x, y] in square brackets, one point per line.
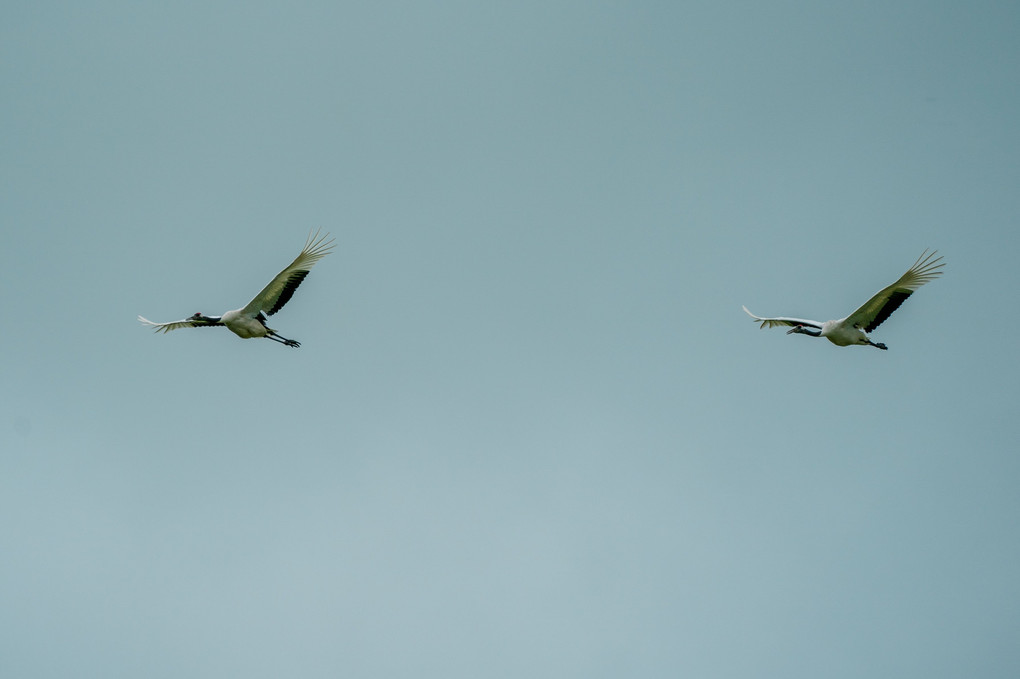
[295, 343]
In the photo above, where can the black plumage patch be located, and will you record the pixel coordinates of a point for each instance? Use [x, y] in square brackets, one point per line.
[288, 290]
[895, 300]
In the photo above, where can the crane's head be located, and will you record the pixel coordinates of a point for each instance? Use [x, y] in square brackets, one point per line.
[199, 318]
[804, 330]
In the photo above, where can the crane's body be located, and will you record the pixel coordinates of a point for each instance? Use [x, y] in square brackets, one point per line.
[245, 326]
[250, 320]
[854, 328]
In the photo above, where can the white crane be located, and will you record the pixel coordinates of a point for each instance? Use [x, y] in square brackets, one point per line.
[853, 328]
[250, 321]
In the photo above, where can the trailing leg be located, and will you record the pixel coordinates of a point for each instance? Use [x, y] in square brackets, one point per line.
[282, 340]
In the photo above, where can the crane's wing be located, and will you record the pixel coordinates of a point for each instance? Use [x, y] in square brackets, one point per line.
[773, 322]
[873, 312]
[175, 325]
[281, 289]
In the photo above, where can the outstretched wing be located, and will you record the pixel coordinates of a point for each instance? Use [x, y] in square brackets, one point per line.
[175, 325]
[774, 322]
[873, 312]
[281, 289]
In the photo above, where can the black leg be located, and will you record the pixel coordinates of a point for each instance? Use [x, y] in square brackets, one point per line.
[283, 340]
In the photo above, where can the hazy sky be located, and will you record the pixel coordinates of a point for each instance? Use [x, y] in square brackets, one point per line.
[530, 432]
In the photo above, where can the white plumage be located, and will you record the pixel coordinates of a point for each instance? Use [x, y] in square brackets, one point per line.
[854, 328]
[250, 321]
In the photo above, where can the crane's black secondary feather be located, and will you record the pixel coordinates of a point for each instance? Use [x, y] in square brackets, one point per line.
[293, 281]
[895, 300]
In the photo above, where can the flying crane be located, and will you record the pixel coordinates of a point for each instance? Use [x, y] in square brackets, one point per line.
[854, 328]
[250, 320]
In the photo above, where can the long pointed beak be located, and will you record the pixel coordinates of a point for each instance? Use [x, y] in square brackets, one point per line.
[792, 330]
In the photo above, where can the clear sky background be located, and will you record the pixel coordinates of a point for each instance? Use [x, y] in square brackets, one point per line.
[530, 432]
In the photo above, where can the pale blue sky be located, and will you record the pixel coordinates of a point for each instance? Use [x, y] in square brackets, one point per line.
[530, 432]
